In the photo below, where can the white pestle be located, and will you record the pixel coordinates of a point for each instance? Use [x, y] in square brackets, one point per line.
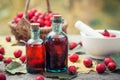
[87, 30]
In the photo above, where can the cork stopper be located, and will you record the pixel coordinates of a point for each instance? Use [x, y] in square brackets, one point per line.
[57, 18]
[35, 26]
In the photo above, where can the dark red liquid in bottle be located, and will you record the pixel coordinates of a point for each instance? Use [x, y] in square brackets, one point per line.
[56, 54]
[35, 58]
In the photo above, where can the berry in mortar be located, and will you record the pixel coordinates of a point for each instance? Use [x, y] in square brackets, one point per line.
[107, 34]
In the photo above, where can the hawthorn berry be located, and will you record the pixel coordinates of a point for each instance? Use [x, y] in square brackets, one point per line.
[100, 68]
[72, 70]
[40, 77]
[17, 53]
[74, 57]
[87, 62]
[2, 76]
[2, 50]
[108, 60]
[8, 38]
[23, 58]
[111, 66]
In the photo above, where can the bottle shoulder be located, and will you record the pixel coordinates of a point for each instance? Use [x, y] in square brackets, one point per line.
[53, 34]
[32, 41]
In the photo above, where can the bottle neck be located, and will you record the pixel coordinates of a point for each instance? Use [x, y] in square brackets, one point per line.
[35, 34]
[57, 27]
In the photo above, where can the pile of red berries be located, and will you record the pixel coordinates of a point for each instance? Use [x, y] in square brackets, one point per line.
[106, 33]
[16, 53]
[44, 19]
[108, 63]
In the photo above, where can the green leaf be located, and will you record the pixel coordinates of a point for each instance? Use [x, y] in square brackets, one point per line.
[116, 58]
[16, 67]
[78, 49]
[61, 76]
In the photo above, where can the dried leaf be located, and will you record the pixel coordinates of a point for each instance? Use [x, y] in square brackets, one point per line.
[16, 67]
[116, 58]
[80, 66]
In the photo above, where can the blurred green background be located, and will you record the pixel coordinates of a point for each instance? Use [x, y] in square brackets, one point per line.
[99, 14]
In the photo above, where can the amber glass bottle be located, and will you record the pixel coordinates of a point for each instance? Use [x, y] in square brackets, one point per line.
[35, 51]
[56, 47]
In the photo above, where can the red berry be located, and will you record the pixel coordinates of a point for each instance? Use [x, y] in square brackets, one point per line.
[100, 68]
[108, 60]
[72, 45]
[41, 16]
[112, 35]
[111, 66]
[87, 62]
[1, 57]
[2, 50]
[2, 76]
[106, 33]
[8, 38]
[73, 57]
[41, 21]
[23, 58]
[50, 15]
[17, 53]
[37, 14]
[47, 23]
[47, 18]
[30, 14]
[20, 15]
[34, 11]
[34, 19]
[7, 60]
[16, 20]
[40, 77]
[72, 70]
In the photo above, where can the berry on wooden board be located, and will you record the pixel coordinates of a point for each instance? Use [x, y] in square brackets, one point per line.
[100, 68]
[40, 77]
[2, 76]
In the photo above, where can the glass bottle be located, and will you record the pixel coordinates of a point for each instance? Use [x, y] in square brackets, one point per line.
[35, 51]
[56, 47]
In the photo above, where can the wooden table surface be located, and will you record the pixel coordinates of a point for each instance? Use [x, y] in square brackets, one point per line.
[90, 76]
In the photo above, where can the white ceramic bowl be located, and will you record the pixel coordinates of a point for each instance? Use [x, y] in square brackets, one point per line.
[99, 48]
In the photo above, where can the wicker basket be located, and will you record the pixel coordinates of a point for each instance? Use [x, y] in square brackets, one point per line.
[23, 33]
